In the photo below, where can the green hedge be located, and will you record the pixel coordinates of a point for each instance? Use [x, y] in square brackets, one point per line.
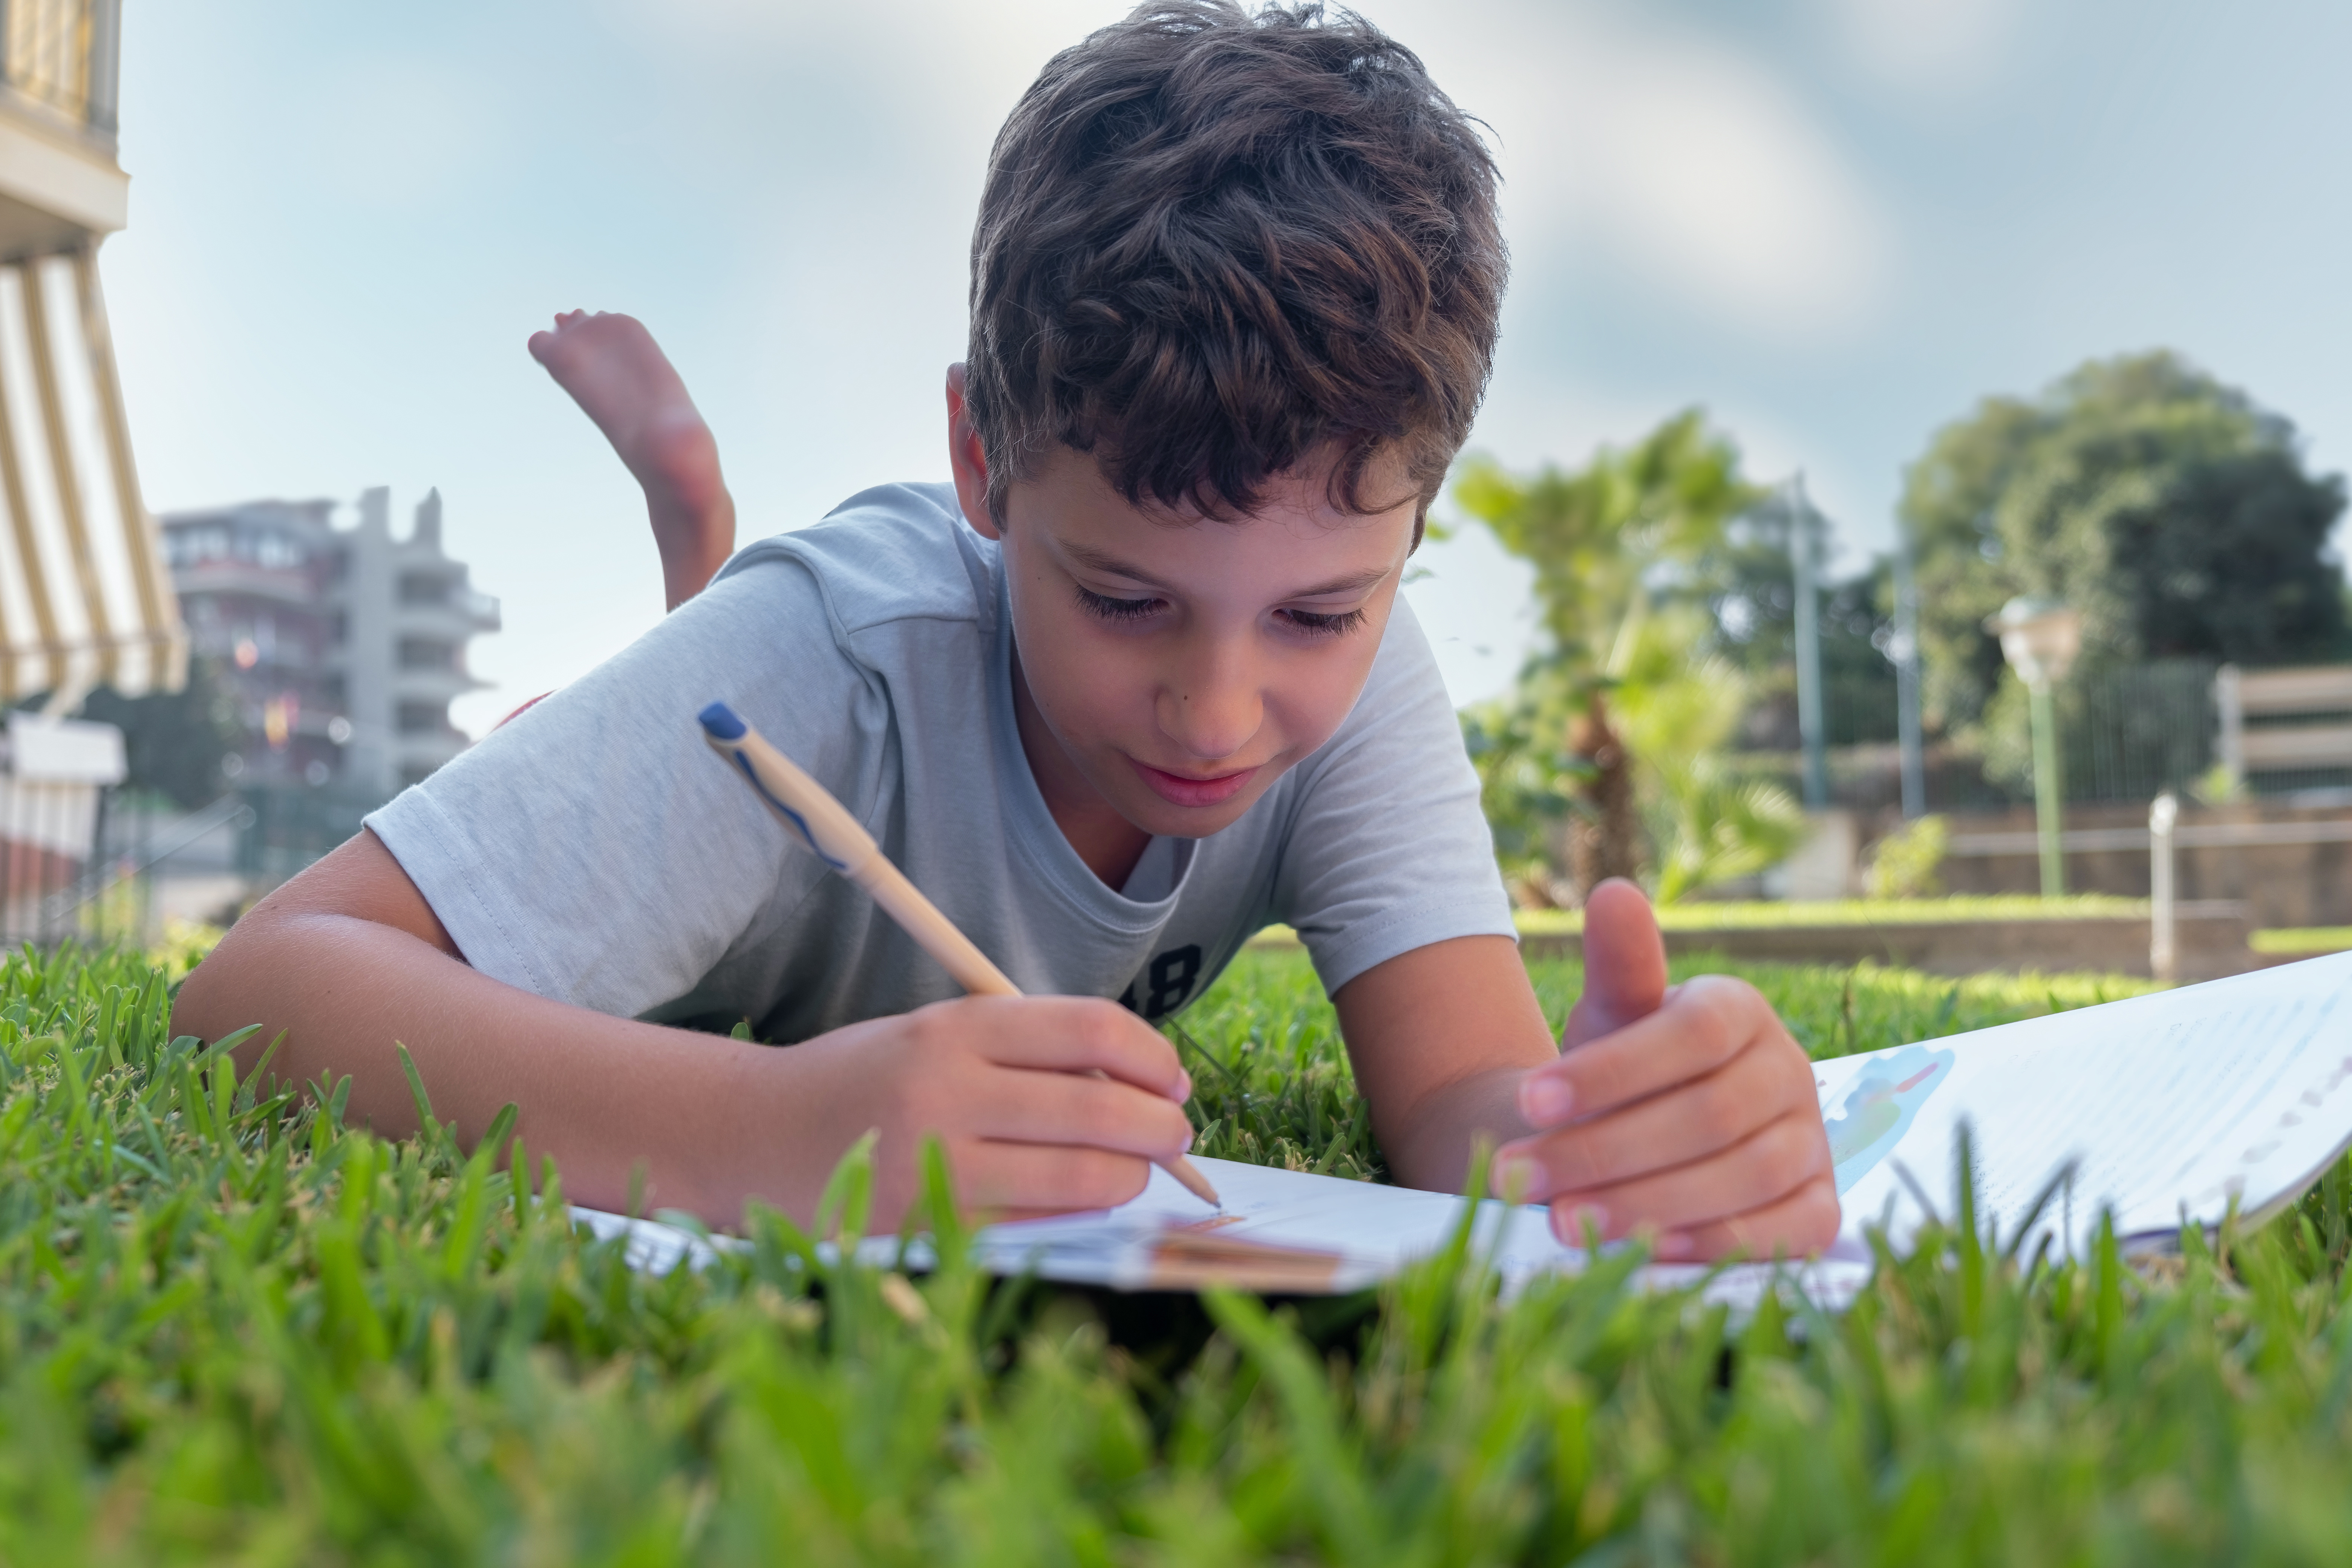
[231, 1329]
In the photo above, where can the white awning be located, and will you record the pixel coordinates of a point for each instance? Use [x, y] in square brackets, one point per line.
[85, 599]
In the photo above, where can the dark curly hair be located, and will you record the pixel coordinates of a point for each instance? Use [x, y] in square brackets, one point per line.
[1213, 244]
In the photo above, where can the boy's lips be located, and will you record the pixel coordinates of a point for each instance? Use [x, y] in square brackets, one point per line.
[1183, 789]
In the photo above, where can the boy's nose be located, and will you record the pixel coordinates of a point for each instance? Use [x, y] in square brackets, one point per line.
[1211, 708]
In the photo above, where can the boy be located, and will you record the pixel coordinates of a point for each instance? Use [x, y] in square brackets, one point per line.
[1135, 684]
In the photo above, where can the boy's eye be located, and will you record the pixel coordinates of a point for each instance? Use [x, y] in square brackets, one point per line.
[1323, 626]
[1111, 610]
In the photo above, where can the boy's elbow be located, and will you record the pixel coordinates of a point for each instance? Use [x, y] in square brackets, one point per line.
[247, 976]
[302, 937]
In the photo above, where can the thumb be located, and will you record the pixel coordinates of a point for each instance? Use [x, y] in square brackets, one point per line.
[1624, 964]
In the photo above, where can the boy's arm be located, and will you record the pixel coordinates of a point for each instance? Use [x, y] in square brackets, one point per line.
[1688, 1111]
[349, 958]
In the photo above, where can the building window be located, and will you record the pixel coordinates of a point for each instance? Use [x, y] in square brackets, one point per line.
[424, 588]
[275, 551]
[422, 718]
[427, 653]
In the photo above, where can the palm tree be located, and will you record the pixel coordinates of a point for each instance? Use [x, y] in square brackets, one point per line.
[1607, 540]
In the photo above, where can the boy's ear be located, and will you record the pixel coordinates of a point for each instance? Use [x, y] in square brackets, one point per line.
[968, 459]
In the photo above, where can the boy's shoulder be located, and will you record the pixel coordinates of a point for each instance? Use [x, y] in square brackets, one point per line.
[894, 552]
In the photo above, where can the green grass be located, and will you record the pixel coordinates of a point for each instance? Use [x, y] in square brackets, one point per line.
[232, 1331]
[2301, 939]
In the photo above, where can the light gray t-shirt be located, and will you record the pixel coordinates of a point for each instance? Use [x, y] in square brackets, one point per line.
[595, 850]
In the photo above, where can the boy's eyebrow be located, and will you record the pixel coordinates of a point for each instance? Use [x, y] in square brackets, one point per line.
[1104, 561]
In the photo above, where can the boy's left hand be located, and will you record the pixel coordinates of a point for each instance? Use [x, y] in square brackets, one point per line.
[1686, 1111]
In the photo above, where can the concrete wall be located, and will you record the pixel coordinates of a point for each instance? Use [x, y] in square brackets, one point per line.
[2210, 936]
[2281, 885]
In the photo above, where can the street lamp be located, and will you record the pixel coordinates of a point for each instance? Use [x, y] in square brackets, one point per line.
[2040, 638]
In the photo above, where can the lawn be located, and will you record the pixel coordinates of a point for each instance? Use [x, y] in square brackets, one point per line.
[231, 1329]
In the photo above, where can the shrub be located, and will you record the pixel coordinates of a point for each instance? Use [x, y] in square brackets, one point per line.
[1906, 862]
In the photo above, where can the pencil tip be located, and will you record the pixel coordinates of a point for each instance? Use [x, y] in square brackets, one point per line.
[719, 723]
[1188, 1174]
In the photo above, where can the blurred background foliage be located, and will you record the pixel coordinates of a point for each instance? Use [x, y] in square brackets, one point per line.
[2171, 510]
[1651, 735]
[1604, 762]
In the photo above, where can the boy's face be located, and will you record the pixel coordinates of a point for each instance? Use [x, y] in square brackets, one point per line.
[1182, 665]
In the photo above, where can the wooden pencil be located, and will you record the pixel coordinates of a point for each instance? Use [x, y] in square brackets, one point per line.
[838, 839]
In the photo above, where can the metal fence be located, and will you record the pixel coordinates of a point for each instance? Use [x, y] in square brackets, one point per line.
[293, 825]
[106, 894]
[2137, 731]
[2125, 733]
[133, 849]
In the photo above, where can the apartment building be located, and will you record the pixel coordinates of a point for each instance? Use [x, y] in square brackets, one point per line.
[341, 646]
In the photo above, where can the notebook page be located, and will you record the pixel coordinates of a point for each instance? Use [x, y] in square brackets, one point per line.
[2182, 1101]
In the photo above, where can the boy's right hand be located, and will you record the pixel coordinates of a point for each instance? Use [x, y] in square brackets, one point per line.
[1010, 1087]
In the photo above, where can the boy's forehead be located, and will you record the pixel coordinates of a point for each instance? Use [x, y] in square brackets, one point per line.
[1092, 526]
[1066, 481]
[1318, 570]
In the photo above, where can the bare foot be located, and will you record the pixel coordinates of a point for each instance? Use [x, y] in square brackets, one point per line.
[620, 379]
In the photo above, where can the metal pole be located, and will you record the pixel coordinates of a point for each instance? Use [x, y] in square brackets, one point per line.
[1804, 561]
[2163, 955]
[2230, 713]
[2047, 809]
[1906, 650]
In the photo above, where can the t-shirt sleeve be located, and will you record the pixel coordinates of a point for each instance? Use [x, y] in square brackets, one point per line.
[1388, 850]
[595, 850]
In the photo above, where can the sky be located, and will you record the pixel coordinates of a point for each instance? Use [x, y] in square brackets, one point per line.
[1835, 225]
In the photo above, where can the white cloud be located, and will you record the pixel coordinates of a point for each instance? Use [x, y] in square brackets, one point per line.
[1940, 48]
[1706, 171]
[1689, 164]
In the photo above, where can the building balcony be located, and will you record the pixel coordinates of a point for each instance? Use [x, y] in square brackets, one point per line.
[277, 585]
[60, 185]
[436, 686]
[466, 612]
[481, 608]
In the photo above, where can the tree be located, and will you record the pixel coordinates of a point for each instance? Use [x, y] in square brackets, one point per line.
[1610, 542]
[1753, 595]
[1676, 707]
[2170, 509]
[174, 741]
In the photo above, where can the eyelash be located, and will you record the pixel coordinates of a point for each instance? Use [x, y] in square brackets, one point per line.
[1308, 621]
[1105, 607]
[1111, 609]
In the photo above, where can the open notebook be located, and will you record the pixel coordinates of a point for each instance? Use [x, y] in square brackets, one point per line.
[2160, 1108]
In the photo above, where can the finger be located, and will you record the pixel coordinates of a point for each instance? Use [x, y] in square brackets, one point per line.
[1065, 1033]
[1800, 1224]
[994, 1177]
[1706, 1023]
[1688, 1123]
[1624, 964]
[1774, 1161]
[1025, 1106]
[539, 343]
